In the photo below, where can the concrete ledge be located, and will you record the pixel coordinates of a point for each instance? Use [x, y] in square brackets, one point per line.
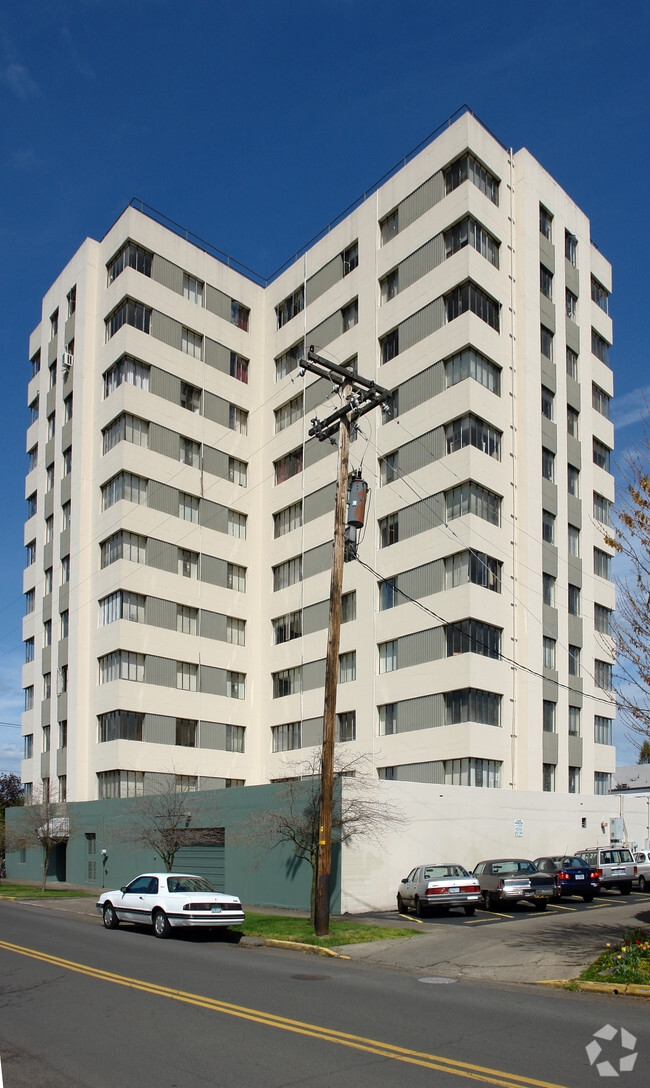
[622, 989]
[271, 942]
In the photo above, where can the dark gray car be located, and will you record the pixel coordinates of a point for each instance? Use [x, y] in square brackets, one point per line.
[507, 880]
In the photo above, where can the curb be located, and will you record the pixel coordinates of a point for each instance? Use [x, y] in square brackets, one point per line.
[621, 989]
[314, 949]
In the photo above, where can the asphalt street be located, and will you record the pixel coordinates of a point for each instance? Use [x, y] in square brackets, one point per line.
[81, 1006]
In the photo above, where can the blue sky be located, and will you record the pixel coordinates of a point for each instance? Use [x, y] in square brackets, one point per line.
[255, 124]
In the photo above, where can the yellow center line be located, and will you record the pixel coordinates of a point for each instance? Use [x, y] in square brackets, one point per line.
[357, 1042]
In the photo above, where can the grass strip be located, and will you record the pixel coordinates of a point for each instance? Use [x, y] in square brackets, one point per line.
[26, 891]
[627, 963]
[283, 928]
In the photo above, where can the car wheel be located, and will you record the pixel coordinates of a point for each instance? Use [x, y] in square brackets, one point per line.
[626, 888]
[109, 917]
[541, 904]
[491, 901]
[469, 910]
[588, 898]
[643, 883]
[161, 926]
[420, 909]
[401, 905]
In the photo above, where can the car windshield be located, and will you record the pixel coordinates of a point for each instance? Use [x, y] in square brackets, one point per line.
[440, 872]
[514, 867]
[188, 884]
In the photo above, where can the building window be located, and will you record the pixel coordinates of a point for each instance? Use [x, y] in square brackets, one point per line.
[237, 524]
[548, 527]
[129, 371]
[71, 299]
[121, 665]
[237, 419]
[32, 505]
[123, 545]
[46, 738]
[33, 411]
[288, 466]
[475, 567]
[548, 716]
[189, 452]
[571, 364]
[548, 649]
[389, 345]
[288, 361]
[600, 400]
[121, 605]
[547, 403]
[545, 223]
[388, 656]
[548, 590]
[601, 455]
[603, 733]
[188, 507]
[54, 324]
[124, 486]
[473, 637]
[548, 777]
[388, 594]
[47, 685]
[599, 347]
[387, 719]
[603, 619]
[237, 472]
[32, 459]
[286, 628]
[131, 313]
[570, 248]
[49, 529]
[470, 232]
[188, 563]
[287, 682]
[573, 600]
[64, 623]
[186, 619]
[471, 364]
[350, 258]
[119, 725]
[239, 315]
[350, 315]
[470, 705]
[236, 578]
[190, 398]
[546, 282]
[571, 305]
[192, 289]
[548, 465]
[65, 569]
[573, 481]
[288, 413]
[546, 342]
[574, 541]
[186, 675]
[47, 582]
[471, 431]
[52, 384]
[347, 667]
[574, 661]
[192, 343]
[51, 425]
[29, 697]
[346, 727]
[67, 409]
[602, 782]
[468, 297]
[287, 573]
[389, 286]
[235, 741]
[49, 477]
[468, 168]
[29, 649]
[67, 461]
[30, 601]
[471, 498]
[602, 509]
[63, 734]
[288, 519]
[235, 631]
[286, 738]
[574, 721]
[30, 553]
[600, 295]
[130, 256]
[604, 675]
[28, 746]
[572, 421]
[388, 468]
[239, 368]
[388, 530]
[290, 306]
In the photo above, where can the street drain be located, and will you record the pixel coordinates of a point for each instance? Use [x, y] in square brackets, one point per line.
[311, 978]
[437, 981]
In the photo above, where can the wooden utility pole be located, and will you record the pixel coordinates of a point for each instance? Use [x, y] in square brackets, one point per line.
[358, 396]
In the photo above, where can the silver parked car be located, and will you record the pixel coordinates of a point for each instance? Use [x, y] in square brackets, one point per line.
[439, 885]
[642, 859]
[615, 865]
[507, 880]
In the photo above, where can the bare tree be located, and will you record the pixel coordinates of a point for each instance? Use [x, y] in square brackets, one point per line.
[42, 823]
[295, 817]
[631, 539]
[11, 794]
[161, 821]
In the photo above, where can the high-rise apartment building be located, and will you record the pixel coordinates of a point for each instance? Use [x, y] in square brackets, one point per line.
[179, 519]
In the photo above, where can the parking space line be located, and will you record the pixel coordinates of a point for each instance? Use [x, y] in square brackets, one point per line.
[560, 906]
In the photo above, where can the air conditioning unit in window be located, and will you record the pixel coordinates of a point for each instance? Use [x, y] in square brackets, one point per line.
[67, 359]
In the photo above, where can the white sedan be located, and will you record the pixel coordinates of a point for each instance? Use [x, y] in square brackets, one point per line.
[165, 900]
[440, 886]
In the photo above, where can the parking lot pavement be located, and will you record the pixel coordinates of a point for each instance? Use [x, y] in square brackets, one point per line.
[515, 945]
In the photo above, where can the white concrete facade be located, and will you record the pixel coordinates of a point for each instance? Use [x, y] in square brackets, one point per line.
[149, 671]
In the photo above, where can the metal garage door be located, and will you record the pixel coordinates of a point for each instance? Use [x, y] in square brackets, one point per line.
[207, 861]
